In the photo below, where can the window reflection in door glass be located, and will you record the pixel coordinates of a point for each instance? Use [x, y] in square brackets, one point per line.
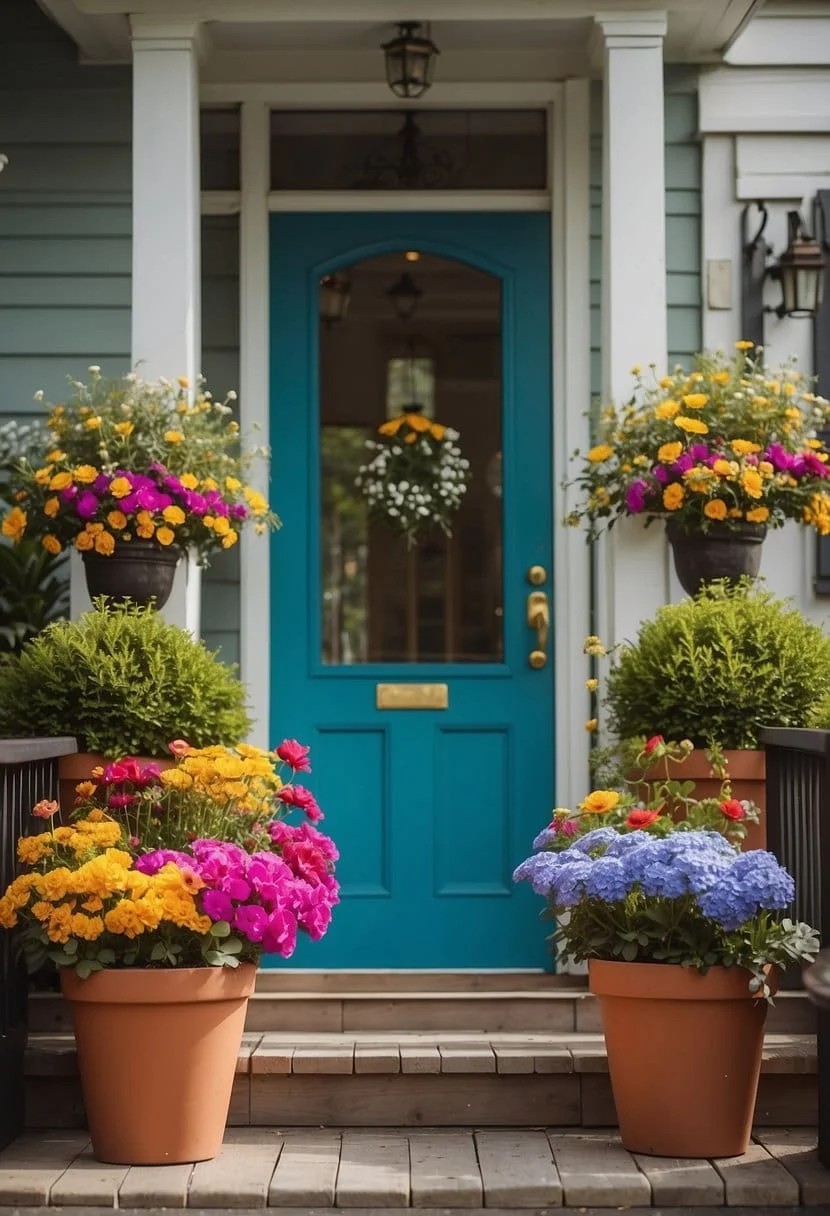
[439, 601]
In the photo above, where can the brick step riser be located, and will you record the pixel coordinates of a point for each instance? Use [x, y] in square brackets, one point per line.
[560, 1014]
[417, 1100]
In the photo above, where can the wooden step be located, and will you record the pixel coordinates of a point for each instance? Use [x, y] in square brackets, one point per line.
[395, 1079]
[447, 1171]
[491, 1002]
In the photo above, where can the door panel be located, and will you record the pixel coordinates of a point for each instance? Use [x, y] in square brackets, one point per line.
[431, 808]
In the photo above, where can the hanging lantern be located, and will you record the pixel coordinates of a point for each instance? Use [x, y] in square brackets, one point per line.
[404, 295]
[410, 61]
[335, 297]
[801, 271]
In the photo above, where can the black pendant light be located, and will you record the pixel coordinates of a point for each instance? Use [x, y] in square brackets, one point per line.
[410, 61]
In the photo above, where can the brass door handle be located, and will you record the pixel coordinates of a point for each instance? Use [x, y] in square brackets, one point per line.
[538, 618]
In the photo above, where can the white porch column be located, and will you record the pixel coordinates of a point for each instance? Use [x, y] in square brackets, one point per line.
[166, 270]
[633, 565]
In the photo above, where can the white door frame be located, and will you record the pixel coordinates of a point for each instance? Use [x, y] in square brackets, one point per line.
[568, 200]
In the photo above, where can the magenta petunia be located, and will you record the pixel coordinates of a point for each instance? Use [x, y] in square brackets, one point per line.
[87, 504]
[295, 755]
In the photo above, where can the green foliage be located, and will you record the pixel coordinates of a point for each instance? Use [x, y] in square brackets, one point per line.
[716, 668]
[122, 681]
[34, 590]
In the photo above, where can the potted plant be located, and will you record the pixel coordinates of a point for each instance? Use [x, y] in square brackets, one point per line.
[123, 682]
[720, 453]
[682, 937]
[131, 475]
[155, 904]
[715, 669]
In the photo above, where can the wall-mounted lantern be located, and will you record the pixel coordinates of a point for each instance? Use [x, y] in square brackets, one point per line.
[800, 270]
[335, 297]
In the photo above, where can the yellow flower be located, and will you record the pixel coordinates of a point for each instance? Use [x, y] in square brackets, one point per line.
[51, 544]
[55, 456]
[51, 507]
[592, 685]
[85, 473]
[437, 431]
[599, 802]
[117, 520]
[120, 487]
[60, 481]
[721, 378]
[124, 428]
[165, 536]
[189, 481]
[695, 401]
[221, 525]
[673, 496]
[758, 515]
[418, 422]
[93, 424]
[42, 476]
[41, 910]
[766, 469]
[176, 778]
[715, 509]
[598, 454]
[726, 468]
[636, 369]
[256, 501]
[14, 524]
[752, 483]
[692, 426]
[669, 452]
[84, 542]
[744, 345]
[233, 484]
[594, 646]
[86, 788]
[173, 437]
[88, 928]
[230, 539]
[743, 447]
[174, 515]
[104, 543]
[793, 412]
[592, 724]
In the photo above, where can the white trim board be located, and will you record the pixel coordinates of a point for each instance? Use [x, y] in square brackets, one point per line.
[765, 100]
[403, 200]
[375, 95]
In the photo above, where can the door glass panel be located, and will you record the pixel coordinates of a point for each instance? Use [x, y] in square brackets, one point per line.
[439, 601]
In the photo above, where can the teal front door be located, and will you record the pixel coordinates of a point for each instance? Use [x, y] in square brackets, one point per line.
[408, 670]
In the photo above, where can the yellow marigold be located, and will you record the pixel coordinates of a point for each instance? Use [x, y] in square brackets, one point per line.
[93, 423]
[666, 381]
[176, 779]
[815, 444]
[752, 483]
[60, 481]
[120, 487]
[760, 401]
[145, 531]
[32, 849]
[669, 452]
[789, 390]
[757, 515]
[792, 412]
[592, 724]
[137, 884]
[599, 802]
[51, 544]
[41, 910]
[105, 544]
[725, 468]
[173, 437]
[93, 904]
[124, 428]
[673, 496]
[221, 525]
[8, 915]
[256, 501]
[695, 401]
[56, 455]
[54, 884]
[418, 422]
[715, 509]
[766, 469]
[124, 920]
[42, 476]
[744, 345]
[692, 426]
[720, 378]
[117, 520]
[174, 515]
[88, 928]
[51, 507]
[59, 925]
[14, 524]
[20, 890]
[85, 474]
[229, 539]
[94, 529]
[189, 481]
[598, 454]
[666, 409]
[165, 536]
[592, 685]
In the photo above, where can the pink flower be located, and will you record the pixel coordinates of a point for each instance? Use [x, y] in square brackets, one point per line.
[295, 755]
[178, 748]
[251, 920]
[129, 769]
[653, 743]
[298, 795]
[217, 905]
[45, 809]
[119, 802]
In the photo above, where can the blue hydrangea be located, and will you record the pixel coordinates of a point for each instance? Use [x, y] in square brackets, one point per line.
[538, 870]
[754, 882]
[545, 837]
[599, 838]
[570, 880]
[608, 880]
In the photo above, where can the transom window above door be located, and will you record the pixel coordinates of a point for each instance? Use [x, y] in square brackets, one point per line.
[409, 150]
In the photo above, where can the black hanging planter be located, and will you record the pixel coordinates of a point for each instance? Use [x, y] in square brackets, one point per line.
[724, 551]
[141, 571]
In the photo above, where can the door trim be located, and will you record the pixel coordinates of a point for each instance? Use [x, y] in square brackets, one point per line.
[569, 153]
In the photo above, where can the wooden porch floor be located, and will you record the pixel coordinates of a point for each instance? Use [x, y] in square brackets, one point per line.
[444, 1168]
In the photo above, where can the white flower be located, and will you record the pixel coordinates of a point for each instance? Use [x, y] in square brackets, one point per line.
[95, 369]
[231, 396]
[39, 395]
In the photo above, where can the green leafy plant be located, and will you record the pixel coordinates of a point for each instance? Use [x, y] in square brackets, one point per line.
[123, 682]
[716, 668]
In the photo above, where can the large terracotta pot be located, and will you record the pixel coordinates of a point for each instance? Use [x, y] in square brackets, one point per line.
[730, 551]
[684, 1054]
[747, 775]
[141, 571]
[157, 1052]
[78, 767]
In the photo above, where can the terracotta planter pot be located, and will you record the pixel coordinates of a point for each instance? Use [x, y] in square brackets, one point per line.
[157, 1052]
[78, 767]
[747, 774]
[684, 1054]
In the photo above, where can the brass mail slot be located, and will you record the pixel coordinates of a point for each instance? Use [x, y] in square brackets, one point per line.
[412, 696]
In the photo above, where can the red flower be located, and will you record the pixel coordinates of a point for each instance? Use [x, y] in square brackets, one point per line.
[653, 743]
[732, 809]
[298, 795]
[45, 809]
[641, 818]
[295, 755]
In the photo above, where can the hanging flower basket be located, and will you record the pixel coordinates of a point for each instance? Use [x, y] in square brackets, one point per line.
[137, 570]
[724, 551]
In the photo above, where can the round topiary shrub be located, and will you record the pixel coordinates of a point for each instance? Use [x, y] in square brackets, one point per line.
[716, 668]
[124, 682]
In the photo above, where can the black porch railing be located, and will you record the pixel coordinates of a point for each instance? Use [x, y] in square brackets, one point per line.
[28, 773]
[798, 833]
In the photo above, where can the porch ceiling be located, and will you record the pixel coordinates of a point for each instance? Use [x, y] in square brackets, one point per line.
[336, 41]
